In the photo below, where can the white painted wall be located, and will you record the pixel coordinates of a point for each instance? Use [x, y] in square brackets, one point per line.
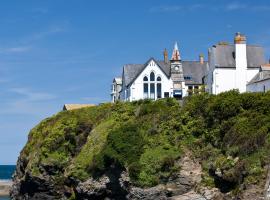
[137, 86]
[241, 67]
[259, 86]
[223, 80]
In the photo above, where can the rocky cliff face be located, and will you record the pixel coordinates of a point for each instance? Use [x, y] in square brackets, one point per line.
[114, 184]
[211, 148]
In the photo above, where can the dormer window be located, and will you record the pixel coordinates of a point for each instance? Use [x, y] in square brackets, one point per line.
[187, 77]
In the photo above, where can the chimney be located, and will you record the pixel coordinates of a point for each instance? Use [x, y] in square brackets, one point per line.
[240, 38]
[240, 62]
[165, 54]
[201, 58]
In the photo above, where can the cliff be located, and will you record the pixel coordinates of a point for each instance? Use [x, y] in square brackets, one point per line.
[212, 147]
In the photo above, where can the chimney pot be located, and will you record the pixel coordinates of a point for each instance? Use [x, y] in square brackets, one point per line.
[240, 38]
[165, 54]
[201, 58]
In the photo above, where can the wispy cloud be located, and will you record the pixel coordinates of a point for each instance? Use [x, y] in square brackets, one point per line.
[235, 6]
[18, 49]
[175, 8]
[22, 100]
[40, 10]
[50, 31]
[29, 95]
[230, 7]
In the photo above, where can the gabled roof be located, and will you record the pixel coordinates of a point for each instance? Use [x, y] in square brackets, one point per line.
[76, 106]
[117, 80]
[132, 71]
[225, 56]
[195, 70]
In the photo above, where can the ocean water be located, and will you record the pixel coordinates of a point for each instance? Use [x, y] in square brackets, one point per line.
[6, 172]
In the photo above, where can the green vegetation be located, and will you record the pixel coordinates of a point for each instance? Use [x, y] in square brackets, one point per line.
[229, 133]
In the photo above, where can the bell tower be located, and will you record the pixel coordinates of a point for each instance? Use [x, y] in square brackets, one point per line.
[177, 73]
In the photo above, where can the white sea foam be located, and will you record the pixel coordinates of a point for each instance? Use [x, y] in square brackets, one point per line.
[5, 180]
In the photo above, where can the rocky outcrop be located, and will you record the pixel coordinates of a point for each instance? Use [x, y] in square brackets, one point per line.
[4, 188]
[113, 184]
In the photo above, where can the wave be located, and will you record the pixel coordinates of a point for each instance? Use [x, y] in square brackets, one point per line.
[5, 180]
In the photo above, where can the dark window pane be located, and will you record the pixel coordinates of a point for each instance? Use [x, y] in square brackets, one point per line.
[145, 90]
[145, 78]
[159, 90]
[152, 76]
[158, 79]
[166, 94]
[152, 91]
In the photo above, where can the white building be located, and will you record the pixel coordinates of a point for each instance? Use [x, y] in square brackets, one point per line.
[261, 81]
[160, 79]
[115, 89]
[238, 66]
[233, 66]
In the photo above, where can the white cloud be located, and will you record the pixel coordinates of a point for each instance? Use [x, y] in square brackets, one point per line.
[235, 6]
[175, 8]
[32, 96]
[230, 7]
[18, 49]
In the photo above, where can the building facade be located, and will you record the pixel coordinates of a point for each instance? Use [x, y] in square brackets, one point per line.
[160, 79]
[238, 66]
[115, 89]
[261, 81]
[232, 66]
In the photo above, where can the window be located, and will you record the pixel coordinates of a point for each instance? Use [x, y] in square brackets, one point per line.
[152, 90]
[187, 77]
[152, 76]
[145, 78]
[158, 90]
[166, 94]
[145, 90]
[190, 90]
[158, 78]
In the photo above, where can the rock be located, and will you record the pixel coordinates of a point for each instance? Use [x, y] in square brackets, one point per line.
[153, 193]
[93, 188]
[192, 195]
[5, 187]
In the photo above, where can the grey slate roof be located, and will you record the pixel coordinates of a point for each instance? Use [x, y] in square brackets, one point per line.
[132, 71]
[195, 70]
[225, 56]
[262, 75]
[190, 68]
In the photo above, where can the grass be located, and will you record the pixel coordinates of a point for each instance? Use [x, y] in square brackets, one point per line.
[228, 132]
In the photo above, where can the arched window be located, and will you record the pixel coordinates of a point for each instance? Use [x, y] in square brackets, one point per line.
[152, 76]
[145, 87]
[159, 90]
[145, 78]
[158, 78]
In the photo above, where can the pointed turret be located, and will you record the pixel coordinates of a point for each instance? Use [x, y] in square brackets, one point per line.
[176, 53]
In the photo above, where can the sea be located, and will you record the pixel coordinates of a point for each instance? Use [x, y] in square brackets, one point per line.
[6, 172]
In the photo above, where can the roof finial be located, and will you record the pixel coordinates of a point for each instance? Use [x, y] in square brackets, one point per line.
[176, 53]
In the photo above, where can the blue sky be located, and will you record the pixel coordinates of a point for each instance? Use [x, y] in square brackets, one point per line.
[67, 51]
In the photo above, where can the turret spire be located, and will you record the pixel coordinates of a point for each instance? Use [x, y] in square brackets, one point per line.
[176, 53]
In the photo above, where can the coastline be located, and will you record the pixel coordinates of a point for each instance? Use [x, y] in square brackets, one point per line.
[5, 186]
